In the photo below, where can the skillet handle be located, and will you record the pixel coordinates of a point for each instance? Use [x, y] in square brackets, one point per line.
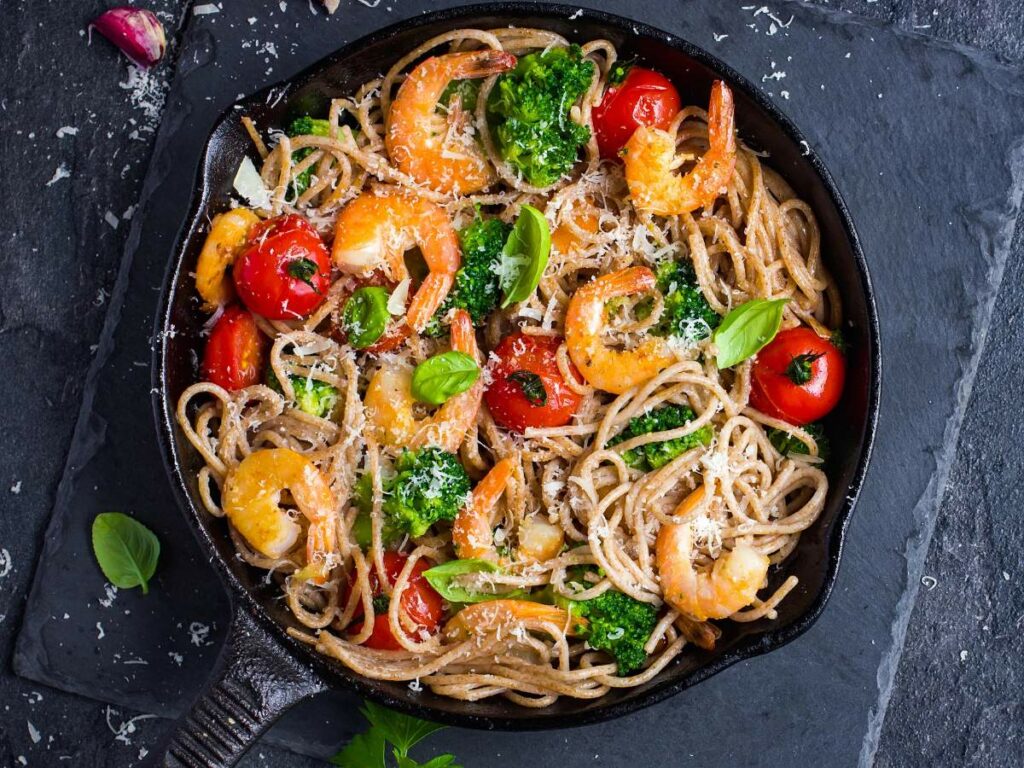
[257, 680]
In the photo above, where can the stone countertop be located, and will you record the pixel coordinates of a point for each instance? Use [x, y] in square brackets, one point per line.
[71, 110]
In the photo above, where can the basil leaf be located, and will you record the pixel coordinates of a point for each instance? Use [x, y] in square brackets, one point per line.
[442, 376]
[442, 579]
[365, 316]
[126, 550]
[532, 386]
[524, 257]
[747, 329]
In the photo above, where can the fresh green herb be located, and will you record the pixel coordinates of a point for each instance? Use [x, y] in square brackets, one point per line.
[428, 485]
[317, 398]
[443, 376]
[305, 126]
[799, 369]
[528, 111]
[656, 455]
[444, 579]
[532, 386]
[402, 732]
[381, 603]
[686, 314]
[525, 256]
[365, 316]
[303, 269]
[126, 550]
[477, 289]
[787, 443]
[747, 329]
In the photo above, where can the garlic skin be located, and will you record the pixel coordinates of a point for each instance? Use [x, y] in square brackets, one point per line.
[137, 32]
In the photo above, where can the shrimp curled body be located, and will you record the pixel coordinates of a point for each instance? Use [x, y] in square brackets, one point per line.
[613, 370]
[650, 156]
[252, 502]
[374, 231]
[472, 532]
[731, 584]
[426, 145]
[390, 406]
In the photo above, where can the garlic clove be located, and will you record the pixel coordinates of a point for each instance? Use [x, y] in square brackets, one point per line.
[137, 32]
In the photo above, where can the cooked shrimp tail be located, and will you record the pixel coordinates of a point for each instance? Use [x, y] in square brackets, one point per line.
[471, 531]
[731, 584]
[613, 370]
[252, 502]
[650, 157]
[426, 145]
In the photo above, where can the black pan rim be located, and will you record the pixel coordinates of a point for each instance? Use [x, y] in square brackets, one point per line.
[333, 673]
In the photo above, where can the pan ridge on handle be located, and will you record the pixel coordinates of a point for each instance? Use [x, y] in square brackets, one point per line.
[255, 682]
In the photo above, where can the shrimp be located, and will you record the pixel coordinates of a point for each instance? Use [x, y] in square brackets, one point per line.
[506, 615]
[731, 584]
[252, 502]
[426, 145]
[390, 405]
[229, 233]
[473, 537]
[650, 156]
[613, 370]
[374, 231]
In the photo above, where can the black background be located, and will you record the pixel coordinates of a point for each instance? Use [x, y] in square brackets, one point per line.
[957, 698]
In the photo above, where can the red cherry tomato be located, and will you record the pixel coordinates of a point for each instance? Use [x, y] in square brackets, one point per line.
[645, 97]
[527, 389]
[420, 602]
[284, 273]
[233, 357]
[798, 377]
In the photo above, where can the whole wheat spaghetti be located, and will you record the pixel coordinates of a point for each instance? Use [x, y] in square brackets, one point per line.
[606, 520]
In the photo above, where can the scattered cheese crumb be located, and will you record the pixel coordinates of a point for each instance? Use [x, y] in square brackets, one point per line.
[111, 219]
[62, 172]
[249, 184]
[963, 655]
[33, 733]
[16, 488]
[205, 9]
[66, 130]
[100, 634]
[929, 582]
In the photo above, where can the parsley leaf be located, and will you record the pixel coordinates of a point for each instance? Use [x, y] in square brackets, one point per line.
[368, 750]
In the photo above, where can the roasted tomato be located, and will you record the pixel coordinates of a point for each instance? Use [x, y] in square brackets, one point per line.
[284, 273]
[420, 602]
[645, 97]
[527, 389]
[798, 377]
[233, 357]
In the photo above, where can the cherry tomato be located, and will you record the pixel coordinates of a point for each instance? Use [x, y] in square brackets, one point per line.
[284, 273]
[527, 389]
[798, 377]
[645, 97]
[233, 357]
[420, 602]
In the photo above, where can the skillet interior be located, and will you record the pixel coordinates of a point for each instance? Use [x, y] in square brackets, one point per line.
[850, 426]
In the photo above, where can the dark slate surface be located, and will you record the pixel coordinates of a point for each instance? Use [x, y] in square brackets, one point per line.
[33, 319]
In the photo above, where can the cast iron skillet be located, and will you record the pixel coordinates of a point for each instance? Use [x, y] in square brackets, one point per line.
[263, 671]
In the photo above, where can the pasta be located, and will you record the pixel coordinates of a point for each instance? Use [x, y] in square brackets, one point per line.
[598, 495]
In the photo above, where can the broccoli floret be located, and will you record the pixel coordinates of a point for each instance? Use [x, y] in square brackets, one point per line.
[616, 624]
[786, 443]
[477, 289]
[362, 528]
[306, 126]
[529, 113]
[687, 313]
[428, 485]
[317, 398]
[655, 455]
